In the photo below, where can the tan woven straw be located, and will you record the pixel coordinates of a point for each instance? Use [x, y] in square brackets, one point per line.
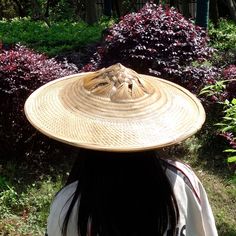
[115, 109]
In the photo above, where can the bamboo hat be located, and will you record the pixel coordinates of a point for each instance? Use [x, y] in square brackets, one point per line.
[115, 109]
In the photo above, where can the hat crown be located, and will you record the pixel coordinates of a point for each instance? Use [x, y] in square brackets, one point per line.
[117, 83]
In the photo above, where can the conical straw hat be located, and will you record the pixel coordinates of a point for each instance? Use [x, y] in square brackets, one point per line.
[115, 109]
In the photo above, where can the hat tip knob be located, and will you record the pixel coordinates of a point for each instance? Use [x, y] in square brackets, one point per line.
[117, 82]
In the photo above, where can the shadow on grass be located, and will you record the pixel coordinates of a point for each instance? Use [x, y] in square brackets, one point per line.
[20, 172]
[225, 229]
[28, 184]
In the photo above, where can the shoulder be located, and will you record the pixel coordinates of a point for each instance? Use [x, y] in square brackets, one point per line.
[176, 169]
[64, 196]
[59, 208]
[67, 190]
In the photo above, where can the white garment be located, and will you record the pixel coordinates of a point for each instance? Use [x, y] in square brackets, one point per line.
[196, 218]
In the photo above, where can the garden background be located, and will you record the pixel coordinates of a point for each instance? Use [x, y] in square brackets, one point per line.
[43, 40]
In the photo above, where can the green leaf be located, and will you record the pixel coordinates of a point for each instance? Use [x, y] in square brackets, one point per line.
[228, 118]
[231, 159]
[233, 101]
[227, 128]
[230, 150]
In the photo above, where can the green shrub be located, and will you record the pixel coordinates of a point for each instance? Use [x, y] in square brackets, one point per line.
[223, 37]
[227, 127]
[222, 94]
[25, 212]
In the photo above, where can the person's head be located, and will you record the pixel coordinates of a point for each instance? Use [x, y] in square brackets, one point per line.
[117, 117]
[122, 194]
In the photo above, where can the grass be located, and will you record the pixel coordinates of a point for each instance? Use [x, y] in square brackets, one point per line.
[27, 190]
[59, 37]
[223, 37]
[25, 212]
[222, 195]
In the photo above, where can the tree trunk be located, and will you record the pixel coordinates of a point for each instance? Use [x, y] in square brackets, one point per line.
[185, 8]
[172, 3]
[46, 14]
[214, 11]
[77, 8]
[107, 7]
[202, 14]
[91, 14]
[1, 11]
[117, 8]
[20, 9]
[232, 8]
[36, 12]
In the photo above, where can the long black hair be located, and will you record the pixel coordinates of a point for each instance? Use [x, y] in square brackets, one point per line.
[122, 194]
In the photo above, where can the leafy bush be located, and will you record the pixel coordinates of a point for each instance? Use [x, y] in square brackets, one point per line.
[229, 74]
[227, 124]
[194, 78]
[22, 71]
[221, 98]
[223, 37]
[223, 89]
[59, 37]
[25, 212]
[227, 127]
[155, 41]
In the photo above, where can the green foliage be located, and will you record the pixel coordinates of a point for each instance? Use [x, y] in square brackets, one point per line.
[226, 124]
[62, 10]
[214, 89]
[228, 127]
[229, 119]
[26, 191]
[25, 212]
[223, 37]
[232, 158]
[220, 100]
[58, 10]
[59, 37]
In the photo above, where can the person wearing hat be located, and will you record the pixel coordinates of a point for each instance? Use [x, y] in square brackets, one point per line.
[120, 184]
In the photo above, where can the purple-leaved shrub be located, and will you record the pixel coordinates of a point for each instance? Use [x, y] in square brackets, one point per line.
[157, 41]
[195, 78]
[21, 72]
[229, 74]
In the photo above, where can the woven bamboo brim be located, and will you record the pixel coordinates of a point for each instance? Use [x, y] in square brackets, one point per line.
[115, 109]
